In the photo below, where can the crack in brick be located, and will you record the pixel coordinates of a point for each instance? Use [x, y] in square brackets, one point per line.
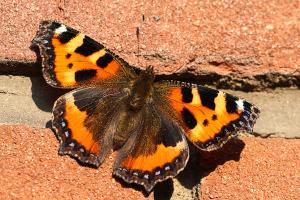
[6, 92]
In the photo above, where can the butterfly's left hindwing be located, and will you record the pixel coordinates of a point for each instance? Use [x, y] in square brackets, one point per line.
[71, 59]
[84, 133]
[209, 117]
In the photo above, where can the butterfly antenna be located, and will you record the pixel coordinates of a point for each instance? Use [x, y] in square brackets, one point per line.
[138, 39]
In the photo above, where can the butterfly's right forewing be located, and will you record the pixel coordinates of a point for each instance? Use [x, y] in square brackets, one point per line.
[209, 117]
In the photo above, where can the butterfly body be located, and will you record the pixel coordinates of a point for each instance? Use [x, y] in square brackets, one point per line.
[115, 106]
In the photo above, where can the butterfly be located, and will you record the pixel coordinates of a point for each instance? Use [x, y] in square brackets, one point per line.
[115, 106]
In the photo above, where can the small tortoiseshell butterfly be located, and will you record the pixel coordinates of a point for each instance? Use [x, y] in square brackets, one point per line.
[116, 106]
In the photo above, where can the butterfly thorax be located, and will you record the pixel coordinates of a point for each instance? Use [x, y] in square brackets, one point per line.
[141, 88]
[139, 93]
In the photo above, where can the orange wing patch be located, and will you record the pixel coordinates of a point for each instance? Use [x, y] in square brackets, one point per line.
[71, 67]
[75, 119]
[71, 59]
[75, 138]
[158, 159]
[211, 117]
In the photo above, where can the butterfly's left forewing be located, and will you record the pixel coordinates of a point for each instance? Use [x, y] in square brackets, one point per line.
[208, 116]
[71, 59]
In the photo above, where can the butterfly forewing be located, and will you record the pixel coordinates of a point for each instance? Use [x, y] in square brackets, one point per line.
[208, 116]
[71, 59]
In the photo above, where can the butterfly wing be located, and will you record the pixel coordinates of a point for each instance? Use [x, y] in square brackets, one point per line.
[157, 150]
[209, 117]
[71, 59]
[83, 122]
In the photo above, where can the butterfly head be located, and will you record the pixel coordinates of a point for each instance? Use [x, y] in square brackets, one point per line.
[148, 73]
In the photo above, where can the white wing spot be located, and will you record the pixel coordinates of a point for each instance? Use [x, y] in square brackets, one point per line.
[67, 134]
[146, 176]
[61, 29]
[135, 174]
[72, 144]
[240, 104]
[157, 173]
[167, 168]
[63, 124]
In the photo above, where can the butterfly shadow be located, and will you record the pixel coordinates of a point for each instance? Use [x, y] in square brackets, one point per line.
[43, 95]
[134, 186]
[200, 165]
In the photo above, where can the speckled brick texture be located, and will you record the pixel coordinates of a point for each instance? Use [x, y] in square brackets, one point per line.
[250, 168]
[31, 168]
[253, 168]
[247, 37]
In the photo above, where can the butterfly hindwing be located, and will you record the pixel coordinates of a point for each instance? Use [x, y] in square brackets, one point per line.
[209, 117]
[155, 152]
[84, 133]
[71, 59]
